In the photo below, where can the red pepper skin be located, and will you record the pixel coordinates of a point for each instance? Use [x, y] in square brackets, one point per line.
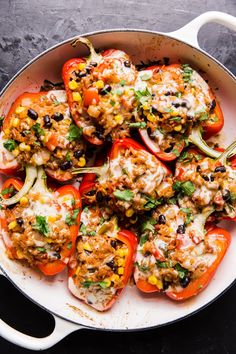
[222, 240]
[89, 179]
[54, 267]
[130, 240]
[210, 128]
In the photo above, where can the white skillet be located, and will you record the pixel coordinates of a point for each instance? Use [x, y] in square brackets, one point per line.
[133, 311]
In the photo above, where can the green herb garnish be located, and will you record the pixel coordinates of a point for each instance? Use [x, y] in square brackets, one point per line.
[181, 271]
[143, 239]
[75, 133]
[152, 203]
[189, 215]
[142, 268]
[10, 145]
[122, 83]
[38, 130]
[71, 219]
[125, 195]
[141, 125]
[148, 225]
[9, 190]
[69, 246]
[186, 188]
[41, 225]
[187, 74]
[41, 249]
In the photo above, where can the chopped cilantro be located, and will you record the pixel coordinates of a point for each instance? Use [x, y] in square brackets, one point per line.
[152, 203]
[175, 119]
[112, 103]
[160, 264]
[141, 125]
[86, 210]
[9, 190]
[72, 202]
[68, 156]
[41, 249]
[41, 225]
[181, 271]
[10, 145]
[87, 283]
[75, 133]
[141, 267]
[92, 233]
[175, 152]
[83, 229]
[142, 96]
[102, 220]
[38, 130]
[189, 215]
[69, 245]
[125, 195]
[143, 239]
[122, 83]
[186, 187]
[71, 219]
[148, 225]
[187, 73]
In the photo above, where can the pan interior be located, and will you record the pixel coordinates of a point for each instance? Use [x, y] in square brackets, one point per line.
[133, 310]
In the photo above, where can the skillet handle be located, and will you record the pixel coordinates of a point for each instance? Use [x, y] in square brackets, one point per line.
[189, 33]
[61, 330]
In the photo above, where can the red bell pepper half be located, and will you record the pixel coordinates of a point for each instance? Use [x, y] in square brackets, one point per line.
[89, 181]
[61, 197]
[211, 126]
[101, 285]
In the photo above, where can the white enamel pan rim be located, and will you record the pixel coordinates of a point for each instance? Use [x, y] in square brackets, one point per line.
[64, 326]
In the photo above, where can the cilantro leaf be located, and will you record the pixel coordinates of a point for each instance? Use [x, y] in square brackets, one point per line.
[9, 190]
[142, 268]
[181, 271]
[125, 195]
[152, 203]
[141, 125]
[41, 225]
[38, 130]
[148, 225]
[75, 133]
[186, 187]
[71, 219]
[143, 239]
[10, 145]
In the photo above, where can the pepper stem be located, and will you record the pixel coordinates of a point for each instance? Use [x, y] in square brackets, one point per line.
[40, 184]
[94, 56]
[200, 219]
[228, 153]
[196, 138]
[31, 174]
[99, 171]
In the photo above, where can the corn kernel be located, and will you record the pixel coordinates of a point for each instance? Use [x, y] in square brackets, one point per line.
[178, 128]
[159, 284]
[125, 251]
[145, 107]
[24, 201]
[174, 113]
[20, 254]
[54, 218]
[76, 97]
[24, 147]
[87, 247]
[7, 131]
[151, 118]
[81, 66]
[119, 118]
[99, 84]
[115, 278]
[121, 270]
[20, 109]
[107, 282]
[152, 280]
[73, 85]
[129, 212]
[12, 225]
[15, 152]
[28, 121]
[82, 162]
[121, 262]
[15, 122]
[120, 253]
[77, 270]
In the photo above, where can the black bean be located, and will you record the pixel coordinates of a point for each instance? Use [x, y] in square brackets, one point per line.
[91, 193]
[168, 93]
[146, 254]
[154, 110]
[65, 165]
[99, 197]
[47, 121]
[113, 243]
[20, 221]
[88, 69]
[185, 281]
[108, 139]
[180, 229]
[127, 63]
[220, 169]
[162, 219]
[184, 104]
[212, 178]
[198, 169]
[93, 63]
[206, 178]
[99, 135]
[78, 153]
[24, 133]
[213, 105]
[57, 116]
[112, 265]
[165, 285]
[176, 105]
[189, 117]
[226, 194]
[57, 255]
[149, 130]
[32, 114]
[82, 74]
[105, 90]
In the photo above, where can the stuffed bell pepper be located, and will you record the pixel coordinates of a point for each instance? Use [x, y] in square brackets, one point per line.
[100, 93]
[132, 180]
[171, 101]
[38, 130]
[39, 226]
[176, 255]
[103, 261]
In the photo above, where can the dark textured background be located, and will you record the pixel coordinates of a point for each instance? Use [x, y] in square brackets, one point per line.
[28, 27]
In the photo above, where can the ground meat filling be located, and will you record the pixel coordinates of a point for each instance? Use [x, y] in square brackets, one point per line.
[36, 228]
[41, 132]
[100, 258]
[171, 100]
[211, 184]
[110, 111]
[134, 182]
[171, 251]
